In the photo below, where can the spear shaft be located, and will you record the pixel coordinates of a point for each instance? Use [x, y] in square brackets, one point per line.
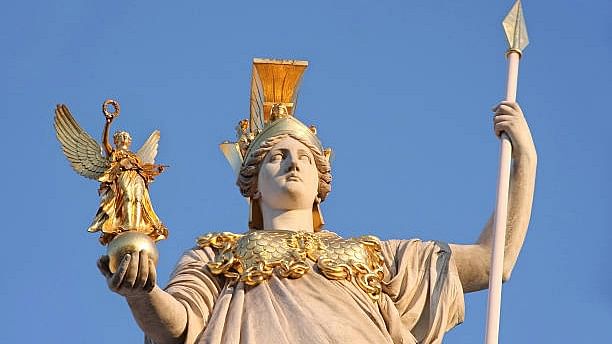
[516, 33]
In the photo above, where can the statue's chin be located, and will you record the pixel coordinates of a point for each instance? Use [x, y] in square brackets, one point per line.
[294, 197]
[294, 191]
[130, 242]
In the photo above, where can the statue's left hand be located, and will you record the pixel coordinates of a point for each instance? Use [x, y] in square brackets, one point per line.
[509, 118]
[136, 274]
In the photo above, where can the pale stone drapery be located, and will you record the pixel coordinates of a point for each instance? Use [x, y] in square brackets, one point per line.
[422, 299]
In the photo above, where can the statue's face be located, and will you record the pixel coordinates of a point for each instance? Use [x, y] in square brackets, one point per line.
[288, 177]
[123, 140]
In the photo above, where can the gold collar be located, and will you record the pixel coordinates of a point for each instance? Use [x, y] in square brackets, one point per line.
[253, 257]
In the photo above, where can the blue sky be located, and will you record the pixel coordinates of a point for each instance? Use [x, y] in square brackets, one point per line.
[401, 90]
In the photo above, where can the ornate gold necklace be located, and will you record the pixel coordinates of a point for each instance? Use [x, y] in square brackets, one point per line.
[253, 257]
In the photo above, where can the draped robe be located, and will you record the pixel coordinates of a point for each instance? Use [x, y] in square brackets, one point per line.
[421, 299]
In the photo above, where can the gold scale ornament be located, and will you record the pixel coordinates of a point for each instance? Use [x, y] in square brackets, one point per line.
[253, 257]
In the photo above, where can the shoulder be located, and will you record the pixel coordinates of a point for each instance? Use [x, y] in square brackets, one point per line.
[414, 254]
[197, 254]
[207, 247]
[218, 240]
[194, 264]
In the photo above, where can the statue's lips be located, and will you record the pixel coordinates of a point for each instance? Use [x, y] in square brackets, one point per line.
[293, 178]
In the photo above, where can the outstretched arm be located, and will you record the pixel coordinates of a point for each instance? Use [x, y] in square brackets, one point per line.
[107, 147]
[161, 317]
[474, 261]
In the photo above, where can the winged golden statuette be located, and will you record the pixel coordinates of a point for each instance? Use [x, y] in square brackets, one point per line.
[125, 217]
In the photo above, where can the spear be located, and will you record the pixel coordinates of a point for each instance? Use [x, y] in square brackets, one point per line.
[516, 34]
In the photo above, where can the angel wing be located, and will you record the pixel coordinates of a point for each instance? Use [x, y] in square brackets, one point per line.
[148, 151]
[83, 152]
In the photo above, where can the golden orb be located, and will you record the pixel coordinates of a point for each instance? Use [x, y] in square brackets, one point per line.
[130, 242]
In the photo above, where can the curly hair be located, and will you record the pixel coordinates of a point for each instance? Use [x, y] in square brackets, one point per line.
[121, 133]
[247, 178]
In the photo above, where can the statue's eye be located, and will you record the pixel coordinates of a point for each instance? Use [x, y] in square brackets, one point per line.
[277, 156]
[305, 157]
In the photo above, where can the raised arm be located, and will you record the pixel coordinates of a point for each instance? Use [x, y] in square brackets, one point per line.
[473, 261]
[107, 147]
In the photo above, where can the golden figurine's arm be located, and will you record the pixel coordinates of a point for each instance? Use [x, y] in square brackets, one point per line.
[105, 143]
[109, 119]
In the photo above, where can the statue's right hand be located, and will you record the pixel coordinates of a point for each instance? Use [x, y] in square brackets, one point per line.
[136, 274]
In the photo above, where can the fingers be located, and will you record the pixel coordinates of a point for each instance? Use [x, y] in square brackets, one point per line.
[502, 118]
[132, 271]
[152, 280]
[509, 119]
[103, 266]
[513, 105]
[505, 110]
[506, 116]
[143, 270]
[501, 127]
[136, 273]
[117, 279]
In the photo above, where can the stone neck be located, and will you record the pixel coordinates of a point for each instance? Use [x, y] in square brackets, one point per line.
[293, 220]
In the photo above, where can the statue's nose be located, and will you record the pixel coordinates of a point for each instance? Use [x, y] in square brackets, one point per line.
[293, 165]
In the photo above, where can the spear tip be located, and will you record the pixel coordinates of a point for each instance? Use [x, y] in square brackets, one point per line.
[515, 28]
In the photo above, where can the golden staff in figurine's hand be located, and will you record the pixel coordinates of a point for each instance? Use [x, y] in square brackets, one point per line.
[125, 216]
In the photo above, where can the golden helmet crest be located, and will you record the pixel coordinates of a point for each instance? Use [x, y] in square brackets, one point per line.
[274, 90]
